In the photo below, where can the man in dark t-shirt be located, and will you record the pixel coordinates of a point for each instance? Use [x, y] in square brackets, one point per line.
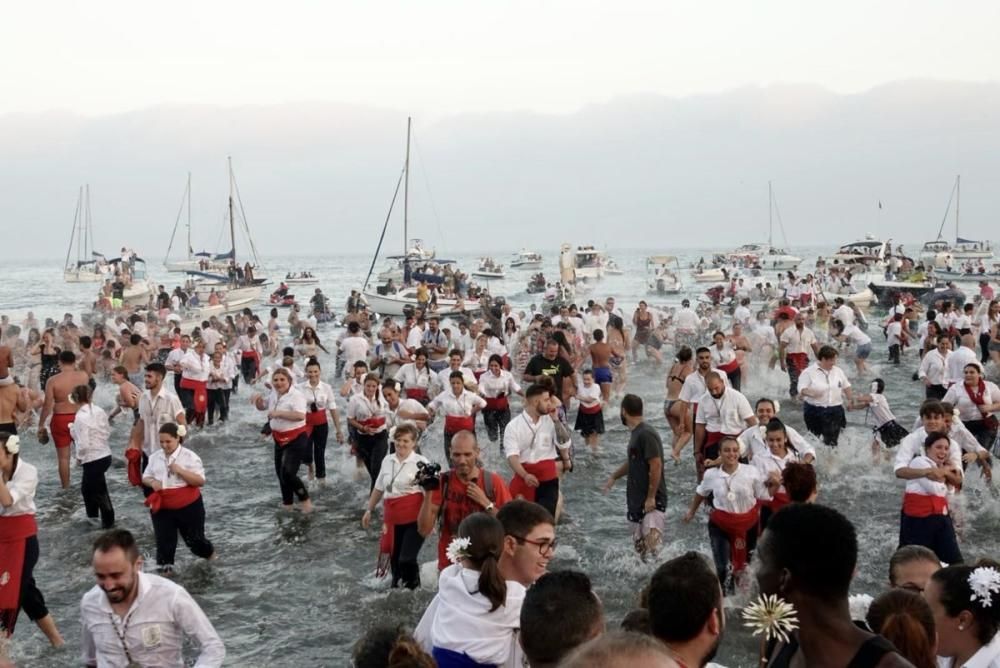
[550, 365]
[646, 494]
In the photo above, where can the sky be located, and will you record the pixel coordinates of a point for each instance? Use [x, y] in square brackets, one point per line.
[556, 120]
[451, 56]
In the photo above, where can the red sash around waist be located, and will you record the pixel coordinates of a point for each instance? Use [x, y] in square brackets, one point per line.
[924, 505]
[797, 361]
[456, 423]
[172, 498]
[478, 374]
[497, 403]
[544, 470]
[418, 393]
[250, 355]
[736, 526]
[14, 531]
[283, 438]
[729, 367]
[400, 510]
[316, 418]
[133, 457]
[591, 410]
[200, 389]
[373, 422]
[779, 501]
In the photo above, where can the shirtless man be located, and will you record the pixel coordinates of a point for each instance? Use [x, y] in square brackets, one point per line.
[88, 360]
[12, 401]
[673, 409]
[134, 358]
[600, 357]
[62, 410]
[128, 394]
[6, 364]
[742, 347]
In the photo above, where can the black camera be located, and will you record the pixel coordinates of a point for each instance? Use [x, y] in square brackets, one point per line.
[428, 475]
[313, 407]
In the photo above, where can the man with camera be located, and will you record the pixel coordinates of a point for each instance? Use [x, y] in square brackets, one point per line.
[454, 495]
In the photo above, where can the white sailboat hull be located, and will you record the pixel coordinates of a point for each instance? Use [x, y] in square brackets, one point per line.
[248, 293]
[73, 276]
[492, 275]
[139, 293]
[526, 264]
[399, 303]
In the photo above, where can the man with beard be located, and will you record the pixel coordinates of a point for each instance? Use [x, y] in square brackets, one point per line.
[140, 619]
[560, 612]
[807, 556]
[722, 411]
[692, 389]
[692, 631]
[157, 407]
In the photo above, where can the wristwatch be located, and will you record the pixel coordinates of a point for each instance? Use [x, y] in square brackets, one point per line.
[490, 507]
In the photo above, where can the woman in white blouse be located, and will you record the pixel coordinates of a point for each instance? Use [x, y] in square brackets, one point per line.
[732, 524]
[322, 407]
[90, 430]
[977, 400]
[19, 543]
[496, 386]
[286, 413]
[176, 476]
[396, 483]
[771, 465]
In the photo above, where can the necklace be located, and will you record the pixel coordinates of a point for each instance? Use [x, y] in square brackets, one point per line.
[132, 663]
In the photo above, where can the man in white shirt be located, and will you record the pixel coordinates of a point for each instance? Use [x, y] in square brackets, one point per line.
[210, 335]
[959, 358]
[934, 369]
[173, 361]
[353, 348]
[415, 336]
[843, 312]
[131, 618]
[157, 406]
[722, 411]
[794, 346]
[533, 442]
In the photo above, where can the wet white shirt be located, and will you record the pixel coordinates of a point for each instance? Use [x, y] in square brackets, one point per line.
[410, 376]
[723, 356]
[925, 486]
[360, 408]
[957, 361]
[532, 441]
[934, 367]
[686, 320]
[220, 377]
[408, 406]
[353, 349]
[463, 405]
[158, 467]
[155, 412]
[844, 314]
[727, 414]
[398, 478]
[736, 493]
[968, 411]
[493, 386]
[768, 463]
[881, 413]
[154, 628]
[694, 386]
[322, 394]
[443, 378]
[912, 446]
[22, 489]
[195, 366]
[754, 440]
[292, 400]
[91, 430]
[854, 334]
[830, 385]
[798, 341]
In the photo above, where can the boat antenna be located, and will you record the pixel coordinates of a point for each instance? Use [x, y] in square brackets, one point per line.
[385, 226]
[944, 218]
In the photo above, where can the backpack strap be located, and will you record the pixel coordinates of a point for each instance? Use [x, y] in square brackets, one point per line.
[488, 485]
[445, 477]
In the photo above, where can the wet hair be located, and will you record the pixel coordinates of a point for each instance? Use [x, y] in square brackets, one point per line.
[817, 545]
[879, 386]
[390, 384]
[520, 517]
[157, 368]
[496, 358]
[956, 596]
[799, 480]
[353, 327]
[684, 354]
[373, 377]
[775, 425]
[85, 342]
[934, 437]
[702, 349]
[385, 645]
[456, 374]
[171, 428]
[82, 394]
[121, 371]
[909, 554]
[361, 364]
[282, 371]
[407, 428]
[118, 538]
[287, 361]
[485, 534]
[826, 353]
[632, 405]
[765, 400]
[560, 612]
[67, 357]
[637, 621]
[135, 339]
[537, 389]
[598, 335]
[931, 408]
[688, 578]
[970, 365]
[420, 352]
[617, 648]
[4, 436]
[313, 362]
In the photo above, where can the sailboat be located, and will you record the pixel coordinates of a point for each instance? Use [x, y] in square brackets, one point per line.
[194, 260]
[766, 256]
[90, 266]
[220, 281]
[940, 254]
[382, 300]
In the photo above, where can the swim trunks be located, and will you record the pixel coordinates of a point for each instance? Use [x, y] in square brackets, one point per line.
[8, 427]
[61, 437]
[602, 374]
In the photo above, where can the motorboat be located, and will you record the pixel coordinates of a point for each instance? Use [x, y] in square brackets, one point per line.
[763, 256]
[536, 284]
[970, 273]
[937, 254]
[586, 262]
[869, 252]
[489, 269]
[525, 259]
[611, 268]
[139, 289]
[405, 300]
[663, 274]
[301, 278]
[887, 290]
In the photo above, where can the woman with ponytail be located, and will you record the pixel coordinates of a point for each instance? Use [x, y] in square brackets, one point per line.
[176, 476]
[905, 619]
[474, 619]
[19, 544]
[91, 430]
[965, 601]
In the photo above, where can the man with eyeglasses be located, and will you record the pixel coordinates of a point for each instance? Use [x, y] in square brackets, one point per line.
[609, 306]
[911, 567]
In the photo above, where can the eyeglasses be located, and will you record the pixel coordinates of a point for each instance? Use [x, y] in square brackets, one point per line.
[910, 586]
[544, 546]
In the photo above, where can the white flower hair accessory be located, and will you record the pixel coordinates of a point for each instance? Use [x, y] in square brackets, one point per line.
[771, 616]
[181, 431]
[13, 444]
[984, 582]
[777, 406]
[859, 604]
[457, 549]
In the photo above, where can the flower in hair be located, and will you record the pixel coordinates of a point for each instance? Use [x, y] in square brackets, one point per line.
[984, 582]
[13, 444]
[771, 616]
[859, 604]
[777, 407]
[181, 431]
[457, 549]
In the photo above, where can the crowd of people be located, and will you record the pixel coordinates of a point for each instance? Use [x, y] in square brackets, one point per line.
[388, 387]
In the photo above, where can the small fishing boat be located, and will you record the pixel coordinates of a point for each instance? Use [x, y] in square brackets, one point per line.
[489, 269]
[611, 268]
[301, 278]
[663, 275]
[399, 303]
[525, 259]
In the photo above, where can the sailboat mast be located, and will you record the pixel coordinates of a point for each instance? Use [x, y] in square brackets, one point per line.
[770, 214]
[76, 223]
[88, 242]
[958, 202]
[189, 249]
[232, 224]
[406, 191]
